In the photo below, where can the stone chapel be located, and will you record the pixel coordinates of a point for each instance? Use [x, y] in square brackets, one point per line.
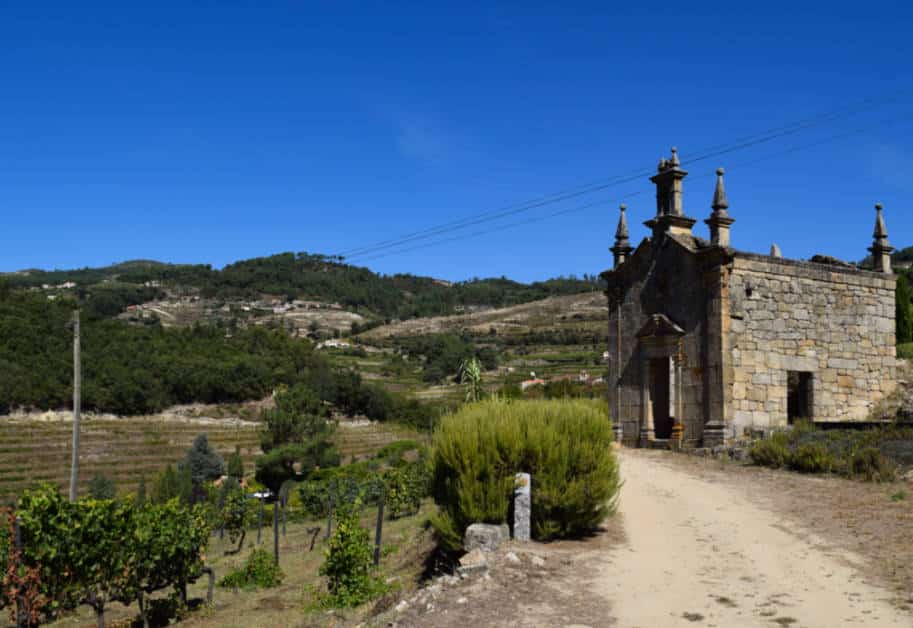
[707, 341]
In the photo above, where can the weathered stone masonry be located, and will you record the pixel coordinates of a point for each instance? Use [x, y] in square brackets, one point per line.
[707, 341]
[836, 324]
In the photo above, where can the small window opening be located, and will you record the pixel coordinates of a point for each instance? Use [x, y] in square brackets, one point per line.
[799, 396]
[749, 291]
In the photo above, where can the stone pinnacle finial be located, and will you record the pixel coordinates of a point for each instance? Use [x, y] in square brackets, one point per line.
[674, 161]
[881, 249]
[622, 247]
[720, 203]
[621, 234]
[880, 230]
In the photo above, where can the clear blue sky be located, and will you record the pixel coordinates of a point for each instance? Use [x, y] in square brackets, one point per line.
[211, 132]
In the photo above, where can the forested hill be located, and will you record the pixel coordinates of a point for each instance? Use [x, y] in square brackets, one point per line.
[313, 277]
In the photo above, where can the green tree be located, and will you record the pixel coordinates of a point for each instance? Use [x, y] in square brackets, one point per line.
[349, 560]
[236, 464]
[296, 438]
[904, 310]
[141, 492]
[172, 484]
[299, 415]
[203, 461]
[102, 487]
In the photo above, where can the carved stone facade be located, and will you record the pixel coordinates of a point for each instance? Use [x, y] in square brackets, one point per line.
[706, 341]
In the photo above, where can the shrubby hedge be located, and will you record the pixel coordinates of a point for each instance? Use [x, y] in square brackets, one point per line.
[564, 444]
[872, 454]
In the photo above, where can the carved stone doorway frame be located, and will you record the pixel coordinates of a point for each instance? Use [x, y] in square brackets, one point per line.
[660, 338]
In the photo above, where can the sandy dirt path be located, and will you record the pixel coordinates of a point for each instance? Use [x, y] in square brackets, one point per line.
[701, 554]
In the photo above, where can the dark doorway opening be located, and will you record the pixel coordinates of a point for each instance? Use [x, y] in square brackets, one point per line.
[660, 389]
[799, 396]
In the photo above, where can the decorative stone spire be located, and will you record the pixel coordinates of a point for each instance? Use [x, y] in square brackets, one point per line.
[720, 203]
[881, 249]
[669, 215]
[622, 247]
[719, 221]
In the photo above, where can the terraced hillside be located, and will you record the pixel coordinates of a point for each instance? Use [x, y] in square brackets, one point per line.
[555, 338]
[123, 449]
[127, 449]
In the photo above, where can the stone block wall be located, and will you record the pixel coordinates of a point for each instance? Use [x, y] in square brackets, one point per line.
[836, 323]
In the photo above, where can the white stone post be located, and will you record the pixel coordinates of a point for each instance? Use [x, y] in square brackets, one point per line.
[523, 505]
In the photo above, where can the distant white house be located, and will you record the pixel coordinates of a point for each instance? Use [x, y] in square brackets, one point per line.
[333, 343]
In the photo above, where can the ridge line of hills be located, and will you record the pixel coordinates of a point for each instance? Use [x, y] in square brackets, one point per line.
[301, 276]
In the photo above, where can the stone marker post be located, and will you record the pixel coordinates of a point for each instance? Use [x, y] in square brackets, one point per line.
[522, 507]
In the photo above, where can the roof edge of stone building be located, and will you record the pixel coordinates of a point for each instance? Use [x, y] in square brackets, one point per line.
[785, 261]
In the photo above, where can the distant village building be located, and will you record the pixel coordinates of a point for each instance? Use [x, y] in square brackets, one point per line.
[707, 341]
[333, 343]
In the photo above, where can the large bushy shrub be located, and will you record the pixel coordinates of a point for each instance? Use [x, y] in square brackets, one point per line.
[564, 444]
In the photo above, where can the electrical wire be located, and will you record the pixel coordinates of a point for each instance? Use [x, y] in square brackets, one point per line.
[721, 149]
[618, 199]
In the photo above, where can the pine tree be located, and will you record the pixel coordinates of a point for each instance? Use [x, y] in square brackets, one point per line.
[236, 464]
[904, 311]
[203, 461]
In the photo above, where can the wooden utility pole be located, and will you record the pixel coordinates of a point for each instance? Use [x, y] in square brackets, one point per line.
[77, 406]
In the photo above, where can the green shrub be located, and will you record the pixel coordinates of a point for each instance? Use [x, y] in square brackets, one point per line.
[359, 479]
[349, 560]
[810, 458]
[236, 464]
[770, 452]
[404, 489]
[259, 571]
[102, 487]
[868, 463]
[234, 515]
[393, 453]
[564, 444]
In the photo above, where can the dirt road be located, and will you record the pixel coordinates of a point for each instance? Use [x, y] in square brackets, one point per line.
[700, 553]
[702, 543]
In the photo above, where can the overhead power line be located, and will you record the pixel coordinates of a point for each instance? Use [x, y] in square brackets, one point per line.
[721, 149]
[618, 199]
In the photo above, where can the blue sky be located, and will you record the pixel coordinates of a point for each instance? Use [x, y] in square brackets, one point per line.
[211, 132]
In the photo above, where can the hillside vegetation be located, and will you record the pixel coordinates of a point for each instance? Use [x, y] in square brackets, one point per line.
[310, 277]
